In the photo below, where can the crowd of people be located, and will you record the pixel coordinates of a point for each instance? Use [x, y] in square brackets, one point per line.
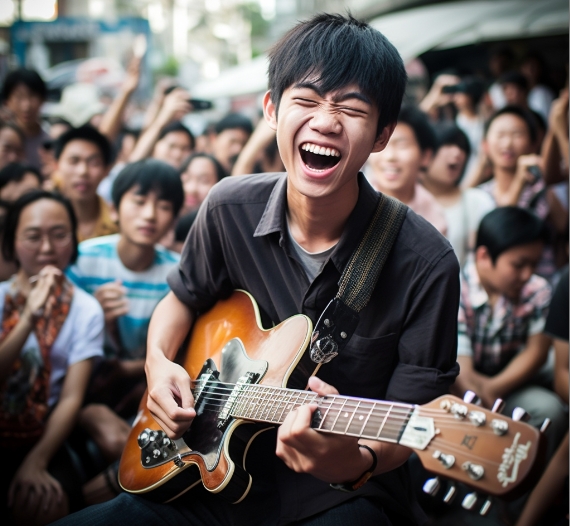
[94, 217]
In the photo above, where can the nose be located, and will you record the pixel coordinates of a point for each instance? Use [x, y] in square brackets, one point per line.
[46, 244]
[149, 210]
[325, 120]
[526, 273]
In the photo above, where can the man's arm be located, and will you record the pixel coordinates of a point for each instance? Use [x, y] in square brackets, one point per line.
[170, 399]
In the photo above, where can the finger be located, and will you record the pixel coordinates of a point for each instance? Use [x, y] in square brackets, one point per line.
[164, 407]
[113, 304]
[320, 387]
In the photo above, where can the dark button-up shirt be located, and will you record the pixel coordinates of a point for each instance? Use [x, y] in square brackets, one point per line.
[404, 347]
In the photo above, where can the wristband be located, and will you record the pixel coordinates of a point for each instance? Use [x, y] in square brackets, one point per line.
[360, 481]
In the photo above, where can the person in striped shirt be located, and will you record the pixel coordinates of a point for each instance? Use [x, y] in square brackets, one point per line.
[127, 272]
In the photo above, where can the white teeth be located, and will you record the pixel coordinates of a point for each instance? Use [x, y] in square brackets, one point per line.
[320, 150]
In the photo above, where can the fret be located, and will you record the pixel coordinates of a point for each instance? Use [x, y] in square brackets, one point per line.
[256, 403]
[367, 418]
[352, 417]
[324, 417]
[384, 422]
[272, 411]
[286, 405]
[339, 413]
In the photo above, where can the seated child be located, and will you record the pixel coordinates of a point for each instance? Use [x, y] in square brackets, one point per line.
[502, 313]
[50, 333]
[127, 272]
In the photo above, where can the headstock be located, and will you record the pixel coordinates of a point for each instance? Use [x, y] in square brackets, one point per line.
[485, 450]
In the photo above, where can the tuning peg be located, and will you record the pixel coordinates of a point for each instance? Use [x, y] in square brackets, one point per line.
[450, 494]
[431, 486]
[486, 507]
[471, 398]
[469, 501]
[545, 425]
[498, 405]
[519, 414]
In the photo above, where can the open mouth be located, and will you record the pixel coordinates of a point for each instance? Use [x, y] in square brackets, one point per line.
[319, 158]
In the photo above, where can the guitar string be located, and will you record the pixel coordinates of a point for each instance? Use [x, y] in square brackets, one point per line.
[395, 411]
[397, 406]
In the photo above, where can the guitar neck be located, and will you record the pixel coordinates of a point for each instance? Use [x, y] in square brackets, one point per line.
[369, 419]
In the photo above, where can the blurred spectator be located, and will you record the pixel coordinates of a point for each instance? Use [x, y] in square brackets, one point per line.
[127, 274]
[174, 106]
[12, 142]
[229, 137]
[23, 94]
[48, 163]
[555, 144]
[198, 174]
[50, 334]
[463, 208]
[501, 60]
[541, 507]
[174, 144]
[397, 170]
[540, 96]
[260, 154]
[15, 180]
[438, 102]
[502, 313]
[83, 158]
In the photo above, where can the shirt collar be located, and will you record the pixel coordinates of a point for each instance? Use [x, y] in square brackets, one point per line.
[274, 218]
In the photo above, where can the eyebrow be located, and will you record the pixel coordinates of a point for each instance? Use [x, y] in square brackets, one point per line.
[337, 98]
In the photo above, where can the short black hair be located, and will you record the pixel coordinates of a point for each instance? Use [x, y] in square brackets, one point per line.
[16, 171]
[419, 122]
[472, 86]
[234, 121]
[149, 175]
[13, 217]
[183, 226]
[334, 51]
[177, 126]
[525, 115]
[516, 78]
[508, 227]
[447, 133]
[220, 172]
[29, 78]
[85, 133]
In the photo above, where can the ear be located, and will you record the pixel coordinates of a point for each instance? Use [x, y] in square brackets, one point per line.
[382, 139]
[482, 256]
[270, 111]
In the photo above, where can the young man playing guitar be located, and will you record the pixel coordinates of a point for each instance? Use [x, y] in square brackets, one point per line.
[335, 89]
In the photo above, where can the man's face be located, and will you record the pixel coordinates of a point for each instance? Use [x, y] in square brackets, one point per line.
[507, 139]
[173, 148]
[324, 139]
[447, 165]
[80, 168]
[397, 168]
[512, 269]
[227, 145]
[514, 95]
[144, 219]
[25, 105]
[11, 147]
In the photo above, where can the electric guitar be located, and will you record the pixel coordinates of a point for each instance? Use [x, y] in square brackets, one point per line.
[243, 375]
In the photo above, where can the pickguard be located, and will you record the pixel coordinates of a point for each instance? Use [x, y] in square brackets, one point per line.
[204, 436]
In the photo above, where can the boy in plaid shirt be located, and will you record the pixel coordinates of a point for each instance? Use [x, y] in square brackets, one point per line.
[502, 313]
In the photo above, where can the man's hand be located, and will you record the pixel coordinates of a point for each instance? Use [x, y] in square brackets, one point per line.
[175, 106]
[112, 298]
[170, 399]
[524, 162]
[328, 457]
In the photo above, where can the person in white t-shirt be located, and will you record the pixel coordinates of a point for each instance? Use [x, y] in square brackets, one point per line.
[464, 208]
[49, 334]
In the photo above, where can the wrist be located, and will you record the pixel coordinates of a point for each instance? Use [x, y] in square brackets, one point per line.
[368, 453]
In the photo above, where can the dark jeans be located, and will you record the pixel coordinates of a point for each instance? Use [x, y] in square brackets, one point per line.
[213, 511]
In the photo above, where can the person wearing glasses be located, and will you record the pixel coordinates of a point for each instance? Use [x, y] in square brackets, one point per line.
[49, 335]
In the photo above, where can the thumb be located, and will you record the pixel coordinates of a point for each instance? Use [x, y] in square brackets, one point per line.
[320, 387]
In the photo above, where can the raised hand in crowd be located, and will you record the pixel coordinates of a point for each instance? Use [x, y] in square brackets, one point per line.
[254, 149]
[436, 96]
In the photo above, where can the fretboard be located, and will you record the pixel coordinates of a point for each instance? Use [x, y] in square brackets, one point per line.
[370, 419]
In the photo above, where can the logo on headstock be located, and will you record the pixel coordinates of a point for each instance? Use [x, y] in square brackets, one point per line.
[512, 457]
[469, 441]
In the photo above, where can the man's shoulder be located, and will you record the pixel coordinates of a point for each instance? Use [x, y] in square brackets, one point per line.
[104, 246]
[244, 189]
[420, 238]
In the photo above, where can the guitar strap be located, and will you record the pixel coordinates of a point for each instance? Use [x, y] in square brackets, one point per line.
[338, 321]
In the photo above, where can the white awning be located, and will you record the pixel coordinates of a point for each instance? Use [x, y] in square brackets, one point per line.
[415, 31]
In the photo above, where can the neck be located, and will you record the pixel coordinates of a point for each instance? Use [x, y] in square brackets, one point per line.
[504, 178]
[135, 257]
[442, 192]
[30, 128]
[86, 211]
[405, 194]
[317, 223]
[469, 113]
